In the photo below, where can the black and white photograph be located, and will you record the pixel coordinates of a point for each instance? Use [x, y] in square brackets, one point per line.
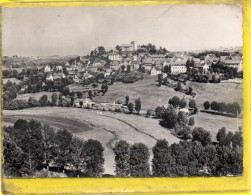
[122, 91]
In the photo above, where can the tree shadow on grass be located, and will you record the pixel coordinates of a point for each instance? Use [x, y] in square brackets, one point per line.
[218, 113]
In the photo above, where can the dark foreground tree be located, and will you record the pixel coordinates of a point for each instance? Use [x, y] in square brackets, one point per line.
[162, 159]
[122, 156]
[63, 140]
[139, 157]
[92, 153]
[15, 160]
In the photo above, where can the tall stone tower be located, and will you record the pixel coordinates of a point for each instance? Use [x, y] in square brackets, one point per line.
[135, 45]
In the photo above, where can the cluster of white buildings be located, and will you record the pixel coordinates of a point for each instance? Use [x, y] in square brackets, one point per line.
[127, 59]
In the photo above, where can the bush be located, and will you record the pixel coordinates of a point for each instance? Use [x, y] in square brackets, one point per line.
[184, 132]
[201, 135]
[130, 107]
[159, 111]
[191, 121]
[206, 105]
[169, 118]
[182, 103]
[175, 101]
[214, 106]
[43, 100]
[178, 86]
[192, 103]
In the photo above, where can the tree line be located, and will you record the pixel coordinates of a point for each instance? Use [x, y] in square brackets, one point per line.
[230, 108]
[30, 146]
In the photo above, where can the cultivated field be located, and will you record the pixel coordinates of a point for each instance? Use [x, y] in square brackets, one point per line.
[106, 127]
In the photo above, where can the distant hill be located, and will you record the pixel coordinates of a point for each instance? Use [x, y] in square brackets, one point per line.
[23, 62]
[219, 49]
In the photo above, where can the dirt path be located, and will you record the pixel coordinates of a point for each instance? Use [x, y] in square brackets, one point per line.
[133, 127]
[111, 141]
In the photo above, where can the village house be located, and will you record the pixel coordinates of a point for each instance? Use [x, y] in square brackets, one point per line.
[69, 68]
[57, 76]
[160, 64]
[202, 67]
[72, 73]
[24, 88]
[212, 59]
[134, 57]
[59, 68]
[83, 103]
[158, 57]
[94, 69]
[49, 77]
[232, 63]
[108, 72]
[155, 71]
[114, 56]
[115, 65]
[135, 66]
[48, 68]
[86, 76]
[76, 79]
[147, 64]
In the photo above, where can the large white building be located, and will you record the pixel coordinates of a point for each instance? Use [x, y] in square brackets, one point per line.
[133, 46]
[178, 67]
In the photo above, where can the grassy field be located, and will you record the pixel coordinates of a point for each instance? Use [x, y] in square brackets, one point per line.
[106, 127]
[37, 96]
[150, 94]
[220, 92]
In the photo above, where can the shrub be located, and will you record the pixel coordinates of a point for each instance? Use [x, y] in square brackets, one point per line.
[130, 107]
[206, 105]
[192, 103]
[182, 103]
[159, 111]
[214, 105]
[201, 135]
[175, 101]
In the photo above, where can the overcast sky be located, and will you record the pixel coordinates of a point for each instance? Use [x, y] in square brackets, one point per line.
[77, 30]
